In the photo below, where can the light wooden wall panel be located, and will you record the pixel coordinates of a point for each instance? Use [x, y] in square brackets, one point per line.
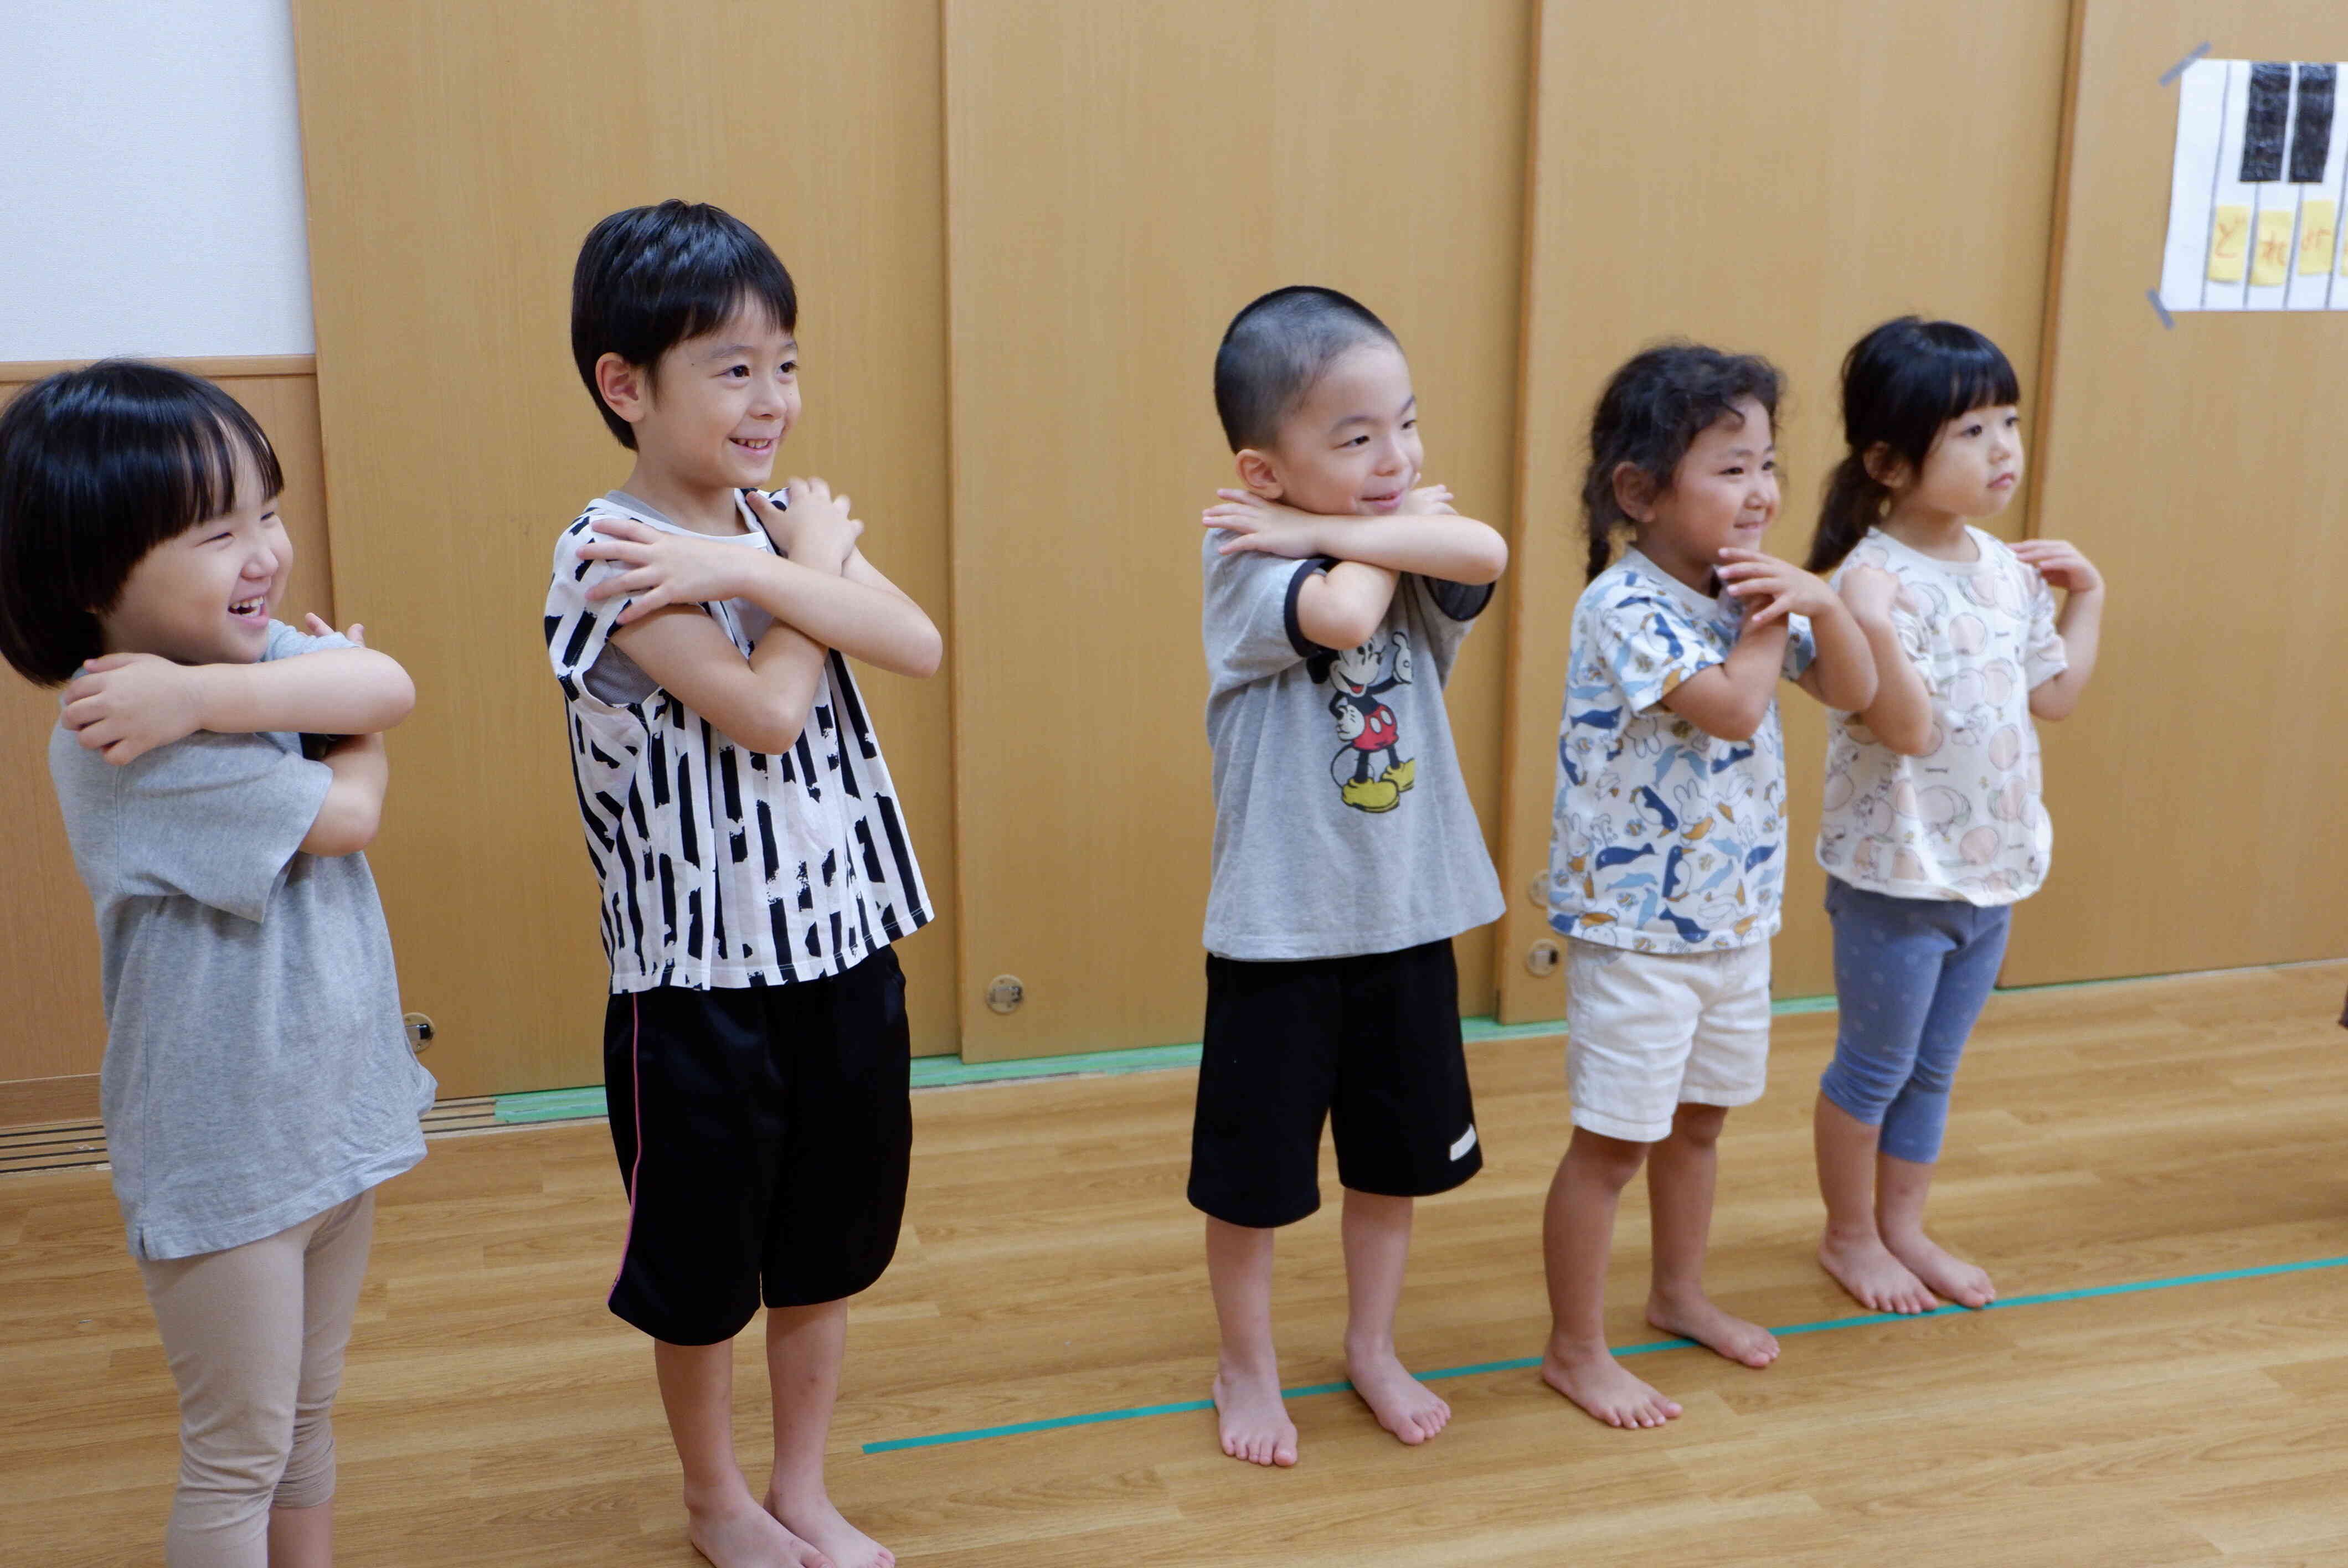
[55, 1035]
[1775, 187]
[2197, 793]
[456, 154]
[1121, 179]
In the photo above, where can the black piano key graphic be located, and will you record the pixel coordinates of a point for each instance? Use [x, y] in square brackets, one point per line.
[2311, 129]
[2262, 129]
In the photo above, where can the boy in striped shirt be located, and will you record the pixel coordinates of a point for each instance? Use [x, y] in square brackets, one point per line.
[753, 861]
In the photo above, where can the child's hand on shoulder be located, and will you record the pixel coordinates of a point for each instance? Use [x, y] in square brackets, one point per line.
[664, 569]
[317, 625]
[1428, 501]
[124, 705]
[1870, 592]
[2060, 563]
[1771, 589]
[816, 529]
[1265, 528]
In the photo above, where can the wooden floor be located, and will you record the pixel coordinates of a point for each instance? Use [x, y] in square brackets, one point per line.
[493, 1413]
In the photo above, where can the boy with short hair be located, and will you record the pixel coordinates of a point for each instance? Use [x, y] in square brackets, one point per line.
[753, 861]
[1346, 851]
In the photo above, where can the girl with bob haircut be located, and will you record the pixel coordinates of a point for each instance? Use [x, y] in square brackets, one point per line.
[219, 773]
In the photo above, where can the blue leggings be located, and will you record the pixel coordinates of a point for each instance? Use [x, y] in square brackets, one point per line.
[1910, 976]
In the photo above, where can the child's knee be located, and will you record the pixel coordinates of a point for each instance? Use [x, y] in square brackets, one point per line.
[1861, 1090]
[229, 1471]
[1698, 1126]
[309, 1477]
[1599, 1158]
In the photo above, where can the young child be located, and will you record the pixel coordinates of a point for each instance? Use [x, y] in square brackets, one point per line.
[754, 864]
[258, 1084]
[1932, 827]
[1346, 851]
[1667, 862]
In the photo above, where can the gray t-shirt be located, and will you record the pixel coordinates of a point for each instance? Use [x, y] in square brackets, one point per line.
[1342, 824]
[256, 1069]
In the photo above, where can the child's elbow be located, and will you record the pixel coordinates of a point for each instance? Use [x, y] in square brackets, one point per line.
[1340, 625]
[775, 727]
[772, 735]
[1734, 725]
[1852, 693]
[1488, 559]
[1911, 740]
[928, 653]
[344, 827]
[393, 693]
[400, 701]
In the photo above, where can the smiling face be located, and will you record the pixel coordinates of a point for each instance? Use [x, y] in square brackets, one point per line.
[204, 595]
[1724, 494]
[711, 415]
[1351, 446]
[1973, 468]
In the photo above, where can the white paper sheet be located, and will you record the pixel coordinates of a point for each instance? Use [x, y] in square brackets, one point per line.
[2267, 244]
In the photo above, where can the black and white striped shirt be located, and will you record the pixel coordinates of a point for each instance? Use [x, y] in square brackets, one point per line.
[723, 868]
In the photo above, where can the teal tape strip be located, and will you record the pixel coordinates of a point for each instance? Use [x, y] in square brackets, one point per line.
[1527, 1363]
[550, 1105]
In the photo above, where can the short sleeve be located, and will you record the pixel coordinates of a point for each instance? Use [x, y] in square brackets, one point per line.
[1907, 628]
[2044, 656]
[1447, 610]
[1801, 647]
[578, 627]
[285, 642]
[216, 818]
[1248, 617]
[1647, 646]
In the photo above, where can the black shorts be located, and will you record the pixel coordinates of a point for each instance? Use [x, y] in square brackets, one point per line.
[763, 1135]
[1370, 1043]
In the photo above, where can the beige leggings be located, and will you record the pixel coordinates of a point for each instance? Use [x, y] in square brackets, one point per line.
[255, 1337]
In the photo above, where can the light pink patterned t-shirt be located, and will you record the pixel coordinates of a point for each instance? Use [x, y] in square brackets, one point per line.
[1964, 821]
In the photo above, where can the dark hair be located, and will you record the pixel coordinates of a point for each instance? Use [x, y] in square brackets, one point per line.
[1900, 384]
[1651, 413]
[98, 466]
[1276, 348]
[650, 277]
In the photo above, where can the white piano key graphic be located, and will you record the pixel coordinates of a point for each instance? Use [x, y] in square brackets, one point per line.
[2200, 126]
[2233, 204]
[2275, 225]
[2315, 253]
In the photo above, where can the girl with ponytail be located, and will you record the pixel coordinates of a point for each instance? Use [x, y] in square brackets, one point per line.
[1667, 858]
[1931, 828]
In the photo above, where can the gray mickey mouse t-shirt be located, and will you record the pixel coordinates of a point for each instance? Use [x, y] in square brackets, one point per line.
[1342, 823]
[256, 1069]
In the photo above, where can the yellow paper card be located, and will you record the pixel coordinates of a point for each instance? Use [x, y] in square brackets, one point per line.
[2229, 243]
[2271, 261]
[2319, 226]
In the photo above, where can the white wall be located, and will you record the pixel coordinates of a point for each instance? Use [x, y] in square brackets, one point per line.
[150, 179]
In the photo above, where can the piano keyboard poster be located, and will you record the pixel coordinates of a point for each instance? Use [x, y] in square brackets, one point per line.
[2255, 201]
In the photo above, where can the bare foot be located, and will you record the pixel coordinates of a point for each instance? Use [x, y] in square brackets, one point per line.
[1877, 1280]
[1597, 1382]
[738, 1533]
[839, 1542]
[1403, 1405]
[1966, 1283]
[1695, 1318]
[1255, 1424]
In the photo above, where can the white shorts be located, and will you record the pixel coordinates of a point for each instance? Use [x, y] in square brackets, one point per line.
[1648, 1033]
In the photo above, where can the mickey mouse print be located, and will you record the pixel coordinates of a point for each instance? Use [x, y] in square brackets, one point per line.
[1370, 771]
